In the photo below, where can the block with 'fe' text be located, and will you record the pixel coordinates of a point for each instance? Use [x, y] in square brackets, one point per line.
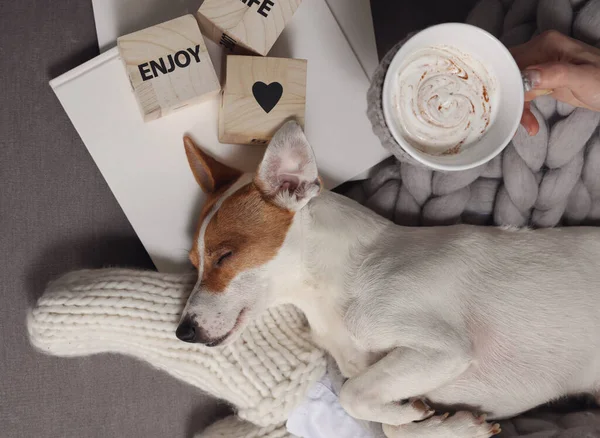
[259, 95]
[252, 24]
[168, 66]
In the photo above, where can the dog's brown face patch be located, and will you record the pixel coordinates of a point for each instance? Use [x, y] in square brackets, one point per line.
[211, 200]
[245, 232]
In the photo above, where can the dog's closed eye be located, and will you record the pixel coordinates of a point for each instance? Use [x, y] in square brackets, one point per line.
[223, 257]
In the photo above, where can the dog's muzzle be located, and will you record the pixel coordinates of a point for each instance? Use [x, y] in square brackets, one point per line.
[186, 331]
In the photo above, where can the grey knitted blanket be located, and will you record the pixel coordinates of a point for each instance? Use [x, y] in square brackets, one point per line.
[543, 181]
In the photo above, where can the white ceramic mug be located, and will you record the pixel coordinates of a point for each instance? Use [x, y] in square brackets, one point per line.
[508, 96]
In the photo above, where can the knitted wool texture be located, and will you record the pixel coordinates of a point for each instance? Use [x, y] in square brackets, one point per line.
[550, 179]
[264, 374]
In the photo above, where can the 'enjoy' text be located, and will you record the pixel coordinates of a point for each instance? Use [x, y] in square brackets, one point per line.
[181, 59]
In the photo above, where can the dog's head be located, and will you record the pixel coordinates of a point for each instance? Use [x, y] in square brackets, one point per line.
[238, 244]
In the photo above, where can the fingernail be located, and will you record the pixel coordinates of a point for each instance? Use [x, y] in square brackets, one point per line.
[531, 79]
[541, 92]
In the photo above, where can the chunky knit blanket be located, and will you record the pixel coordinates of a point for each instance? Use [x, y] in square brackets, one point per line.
[550, 179]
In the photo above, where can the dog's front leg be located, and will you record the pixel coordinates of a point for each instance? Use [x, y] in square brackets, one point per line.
[403, 373]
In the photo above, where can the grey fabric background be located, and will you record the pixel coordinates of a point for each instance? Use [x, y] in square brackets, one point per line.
[57, 214]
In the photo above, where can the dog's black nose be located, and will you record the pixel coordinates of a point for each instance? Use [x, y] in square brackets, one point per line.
[186, 331]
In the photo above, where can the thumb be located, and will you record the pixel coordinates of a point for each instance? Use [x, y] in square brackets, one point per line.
[581, 80]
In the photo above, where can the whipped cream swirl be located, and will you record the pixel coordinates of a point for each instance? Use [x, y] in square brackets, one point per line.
[443, 99]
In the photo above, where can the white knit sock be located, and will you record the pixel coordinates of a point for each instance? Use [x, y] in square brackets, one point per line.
[264, 374]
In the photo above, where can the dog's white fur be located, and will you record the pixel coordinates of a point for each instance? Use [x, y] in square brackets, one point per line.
[494, 319]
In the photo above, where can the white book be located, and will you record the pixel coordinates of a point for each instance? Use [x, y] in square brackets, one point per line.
[145, 165]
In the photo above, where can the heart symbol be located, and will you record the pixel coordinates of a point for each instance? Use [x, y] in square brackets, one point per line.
[267, 96]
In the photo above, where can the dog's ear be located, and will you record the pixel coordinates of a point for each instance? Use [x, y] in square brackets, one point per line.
[210, 174]
[288, 172]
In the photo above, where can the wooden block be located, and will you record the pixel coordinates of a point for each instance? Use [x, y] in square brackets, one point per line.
[260, 94]
[252, 24]
[168, 66]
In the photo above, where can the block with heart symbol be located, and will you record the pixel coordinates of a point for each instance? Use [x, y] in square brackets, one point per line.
[252, 24]
[168, 66]
[259, 95]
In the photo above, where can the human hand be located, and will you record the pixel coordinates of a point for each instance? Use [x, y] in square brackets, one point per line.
[555, 64]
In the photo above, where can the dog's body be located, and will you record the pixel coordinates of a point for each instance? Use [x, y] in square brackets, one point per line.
[499, 320]
[496, 320]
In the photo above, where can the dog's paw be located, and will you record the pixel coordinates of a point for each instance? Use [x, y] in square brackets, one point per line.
[460, 425]
[414, 409]
[465, 424]
[421, 409]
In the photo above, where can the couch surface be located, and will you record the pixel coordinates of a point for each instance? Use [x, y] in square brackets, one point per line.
[58, 214]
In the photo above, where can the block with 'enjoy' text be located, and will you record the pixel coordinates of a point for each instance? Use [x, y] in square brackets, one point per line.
[168, 66]
[259, 95]
[252, 24]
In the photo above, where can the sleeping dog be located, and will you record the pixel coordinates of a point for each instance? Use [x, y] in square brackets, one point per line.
[495, 320]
